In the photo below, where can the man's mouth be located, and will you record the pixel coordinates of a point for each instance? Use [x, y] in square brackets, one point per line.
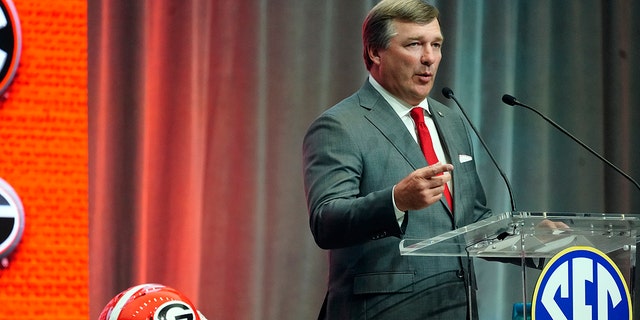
[425, 76]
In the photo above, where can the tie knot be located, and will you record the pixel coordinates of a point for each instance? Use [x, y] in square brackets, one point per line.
[417, 114]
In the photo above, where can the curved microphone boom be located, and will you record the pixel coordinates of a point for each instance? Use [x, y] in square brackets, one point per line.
[512, 101]
[448, 93]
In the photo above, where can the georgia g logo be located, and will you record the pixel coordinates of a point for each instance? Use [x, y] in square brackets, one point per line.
[11, 220]
[581, 283]
[174, 310]
[10, 43]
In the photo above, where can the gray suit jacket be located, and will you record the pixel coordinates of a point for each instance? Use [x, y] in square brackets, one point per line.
[354, 154]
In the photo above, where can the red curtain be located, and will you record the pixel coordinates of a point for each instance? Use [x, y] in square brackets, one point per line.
[195, 178]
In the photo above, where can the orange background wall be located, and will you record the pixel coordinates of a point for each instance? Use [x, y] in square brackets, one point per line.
[43, 155]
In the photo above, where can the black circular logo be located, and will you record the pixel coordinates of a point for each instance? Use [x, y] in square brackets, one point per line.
[174, 310]
[11, 219]
[10, 43]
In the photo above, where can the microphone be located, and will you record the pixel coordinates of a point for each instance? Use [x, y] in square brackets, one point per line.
[448, 93]
[512, 101]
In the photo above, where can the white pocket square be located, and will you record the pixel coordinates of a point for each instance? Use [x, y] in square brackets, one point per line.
[464, 158]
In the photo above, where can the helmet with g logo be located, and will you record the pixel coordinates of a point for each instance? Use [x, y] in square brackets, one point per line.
[150, 302]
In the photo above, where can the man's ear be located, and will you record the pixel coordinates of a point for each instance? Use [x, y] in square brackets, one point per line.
[374, 55]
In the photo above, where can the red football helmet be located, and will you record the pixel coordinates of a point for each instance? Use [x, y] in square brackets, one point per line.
[150, 302]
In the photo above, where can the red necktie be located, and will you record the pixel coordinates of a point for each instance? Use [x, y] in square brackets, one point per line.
[424, 139]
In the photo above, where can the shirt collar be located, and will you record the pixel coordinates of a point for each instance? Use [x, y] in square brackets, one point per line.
[400, 107]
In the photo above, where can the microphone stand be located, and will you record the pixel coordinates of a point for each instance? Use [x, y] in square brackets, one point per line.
[448, 93]
[510, 100]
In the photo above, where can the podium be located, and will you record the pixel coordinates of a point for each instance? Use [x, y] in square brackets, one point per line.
[526, 239]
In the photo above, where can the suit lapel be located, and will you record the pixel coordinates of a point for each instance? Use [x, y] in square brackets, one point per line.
[446, 130]
[384, 118]
[449, 133]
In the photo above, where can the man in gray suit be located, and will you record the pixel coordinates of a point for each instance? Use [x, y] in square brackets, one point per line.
[369, 185]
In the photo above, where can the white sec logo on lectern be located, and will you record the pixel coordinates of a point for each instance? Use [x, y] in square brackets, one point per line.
[581, 283]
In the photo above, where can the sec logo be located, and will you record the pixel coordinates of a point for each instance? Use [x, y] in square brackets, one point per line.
[10, 43]
[581, 283]
[11, 219]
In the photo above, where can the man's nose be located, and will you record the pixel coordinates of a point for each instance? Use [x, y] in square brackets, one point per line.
[428, 56]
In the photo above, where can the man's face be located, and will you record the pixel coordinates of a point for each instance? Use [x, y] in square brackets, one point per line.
[407, 68]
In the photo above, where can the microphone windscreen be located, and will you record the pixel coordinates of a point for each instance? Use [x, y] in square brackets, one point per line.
[447, 92]
[510, 100]
[503, 235]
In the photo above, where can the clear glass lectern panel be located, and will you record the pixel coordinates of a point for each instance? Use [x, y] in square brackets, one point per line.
[528, 234]
[529, 237]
